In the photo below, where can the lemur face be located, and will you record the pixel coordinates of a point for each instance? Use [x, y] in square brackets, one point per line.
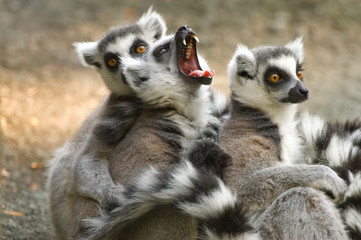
[269, 75]
[131, 41]
[171, 68]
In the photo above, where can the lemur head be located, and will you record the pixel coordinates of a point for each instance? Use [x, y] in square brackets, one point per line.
[268, 77]
[130, 41]
[172, 71]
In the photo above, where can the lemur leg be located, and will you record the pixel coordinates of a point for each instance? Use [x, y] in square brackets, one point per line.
[260, 189]
[301, 213]
[92, 180]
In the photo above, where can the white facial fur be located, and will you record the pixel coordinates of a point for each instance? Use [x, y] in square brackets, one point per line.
[119, 41]
[163, 86]
[247, 73]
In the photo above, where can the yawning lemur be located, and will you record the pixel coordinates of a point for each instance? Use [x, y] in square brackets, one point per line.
[176, 109]
[80, 167]
[169, 82]
[266, 82]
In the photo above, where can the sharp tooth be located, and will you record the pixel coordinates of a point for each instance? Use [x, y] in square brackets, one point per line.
[195, 37]
[184, 42]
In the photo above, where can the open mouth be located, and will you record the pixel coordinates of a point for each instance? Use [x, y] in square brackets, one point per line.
[188, 60]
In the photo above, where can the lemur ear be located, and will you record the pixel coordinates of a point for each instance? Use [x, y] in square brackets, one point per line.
[152, 23]
[245, 62]
[87, 53]
[296, 46]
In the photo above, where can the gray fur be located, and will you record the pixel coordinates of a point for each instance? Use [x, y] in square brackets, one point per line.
[167, 100]
[79, 169]
[310, 139]
[170, 118]
[281, 197]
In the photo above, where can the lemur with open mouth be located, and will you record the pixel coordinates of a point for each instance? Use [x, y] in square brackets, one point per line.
[180, 197]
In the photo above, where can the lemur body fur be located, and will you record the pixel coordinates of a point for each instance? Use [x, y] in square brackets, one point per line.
[308, 139]
[176, 109]
[266, 82]
[337, 145]
[283, 198]
[80, 167]
[176, 112]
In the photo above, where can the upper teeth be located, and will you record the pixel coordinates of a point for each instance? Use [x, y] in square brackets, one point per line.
[195, 37]
[192, 36]
[189, 50]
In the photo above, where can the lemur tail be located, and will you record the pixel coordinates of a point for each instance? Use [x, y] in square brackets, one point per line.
[338, 145]
[196, 192]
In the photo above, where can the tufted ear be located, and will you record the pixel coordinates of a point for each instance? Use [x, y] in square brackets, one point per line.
[152, 23]
[296, 46]
[87, 53]
[245, 62]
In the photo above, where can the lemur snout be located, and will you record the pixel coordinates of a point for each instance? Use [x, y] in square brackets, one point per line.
[298, 93]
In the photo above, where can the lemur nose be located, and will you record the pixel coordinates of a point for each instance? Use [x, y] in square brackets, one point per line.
[184, 28]
[303, 91]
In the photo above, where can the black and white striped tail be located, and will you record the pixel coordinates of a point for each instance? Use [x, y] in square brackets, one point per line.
[338, 145]
[196, 192]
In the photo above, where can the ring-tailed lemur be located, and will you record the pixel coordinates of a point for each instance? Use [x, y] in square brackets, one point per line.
[176, 110]
[304, 138]
[80, 167]
[266, 82]
[286, 206]
[170, 83]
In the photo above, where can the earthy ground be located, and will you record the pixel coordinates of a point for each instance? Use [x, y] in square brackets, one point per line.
[46, 93]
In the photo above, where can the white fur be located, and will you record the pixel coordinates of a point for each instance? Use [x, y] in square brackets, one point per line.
[291, 141]
[339, 150]
[166, 89]
[150, 20]
[311, 127]
[210, 205]
[356, 135]
[352, 218]
[210, 235]
[86, 49]
[296, 46]
[354, 188]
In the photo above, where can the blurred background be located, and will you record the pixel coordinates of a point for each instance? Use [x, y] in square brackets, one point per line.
[45, 93]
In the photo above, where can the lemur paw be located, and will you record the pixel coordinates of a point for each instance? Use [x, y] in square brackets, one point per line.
[330, 183]
[208, 155]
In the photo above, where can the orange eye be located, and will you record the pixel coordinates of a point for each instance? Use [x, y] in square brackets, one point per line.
[112, 62]
[163, 50]
[140, 49]
[299, 74]
[274, 77]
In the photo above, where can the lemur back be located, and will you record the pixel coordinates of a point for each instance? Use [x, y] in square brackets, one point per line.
[263, 81]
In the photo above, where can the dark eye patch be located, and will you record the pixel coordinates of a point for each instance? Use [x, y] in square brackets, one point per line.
[161, 50]
[109, 57]
[137, 43]
[283, 76]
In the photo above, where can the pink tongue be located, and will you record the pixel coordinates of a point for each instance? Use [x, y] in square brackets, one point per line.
[200, 73]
